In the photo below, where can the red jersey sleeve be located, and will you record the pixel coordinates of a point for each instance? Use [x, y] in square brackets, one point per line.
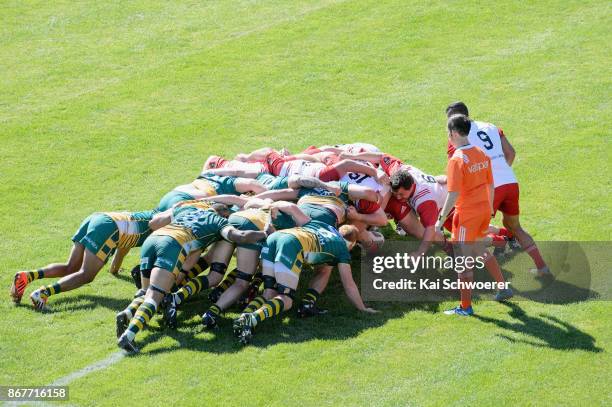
[366, 207]
[396, 209]
[428, 213]
[450, 150]
[311, 150]
[454, 173]
[489, 171]
[390, 164]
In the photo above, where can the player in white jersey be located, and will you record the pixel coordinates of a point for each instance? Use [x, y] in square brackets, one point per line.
[249, 170]
[352, 148]
[495, 144]
[306, 164]
[369, 238]
[411, 189]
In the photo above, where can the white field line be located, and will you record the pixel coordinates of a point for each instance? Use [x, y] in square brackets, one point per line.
[69, 378]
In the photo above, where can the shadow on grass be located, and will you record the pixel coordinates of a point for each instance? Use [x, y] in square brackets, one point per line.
[551, 331]
[86, 302]
[288, 328]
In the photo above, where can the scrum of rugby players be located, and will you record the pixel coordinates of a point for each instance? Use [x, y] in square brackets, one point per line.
[277, 212]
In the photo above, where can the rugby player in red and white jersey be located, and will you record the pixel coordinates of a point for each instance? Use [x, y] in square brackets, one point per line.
[304, 164]
[352, 148]
[232, 167]
[495, 144]
[411, 188]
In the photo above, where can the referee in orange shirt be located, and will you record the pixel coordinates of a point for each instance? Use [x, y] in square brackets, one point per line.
[470, 192]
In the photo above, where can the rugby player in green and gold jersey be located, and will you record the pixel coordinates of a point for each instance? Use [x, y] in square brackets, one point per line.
[256, 214]
[283, 256]
[208, 184]
[282, 215]
[333, 209]
[186, 230]
[99, 236]
[218, 256]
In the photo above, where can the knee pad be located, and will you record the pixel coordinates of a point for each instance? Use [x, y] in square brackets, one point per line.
[269, 282]
[202, 264]
[146, 273]
[158, 289]
[283, 289]
[243, 276]
[218, 268]
[140, 293]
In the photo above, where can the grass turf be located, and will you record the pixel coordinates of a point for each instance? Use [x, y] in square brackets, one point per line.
[107, 106]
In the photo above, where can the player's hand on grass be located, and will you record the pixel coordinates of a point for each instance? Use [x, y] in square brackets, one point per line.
[369, 310]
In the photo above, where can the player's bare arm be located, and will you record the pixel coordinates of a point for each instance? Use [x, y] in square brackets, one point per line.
[304, 181]
[118, 260]
[232, 172]
[357, 192]
[372, 157]
[257, 155]
[191, 260]
[254, 202]
[508, 150]
[161, 219]
[350, 288]
[345, 166]
[244, 185]
[449, 204]
[228, 200]
[288, 194]
[292, 210]
[378, 218]
[234, 235]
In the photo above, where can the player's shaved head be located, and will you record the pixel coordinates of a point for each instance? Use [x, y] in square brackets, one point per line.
[457, 108]
[458, 123]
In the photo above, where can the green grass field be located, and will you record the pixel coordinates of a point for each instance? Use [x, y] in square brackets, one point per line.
[109, 105]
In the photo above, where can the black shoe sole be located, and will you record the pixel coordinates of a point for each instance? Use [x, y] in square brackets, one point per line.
[121, 324]
[128, 346]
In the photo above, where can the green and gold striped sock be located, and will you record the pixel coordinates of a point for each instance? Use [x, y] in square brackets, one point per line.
[51, 289]
[131, 309]
[35, 275]
[254, 304]
[228, 280]
[270, 308]
[141, 318]
[311, 296]
[193, 286]
[199, 268]
[215, 310]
